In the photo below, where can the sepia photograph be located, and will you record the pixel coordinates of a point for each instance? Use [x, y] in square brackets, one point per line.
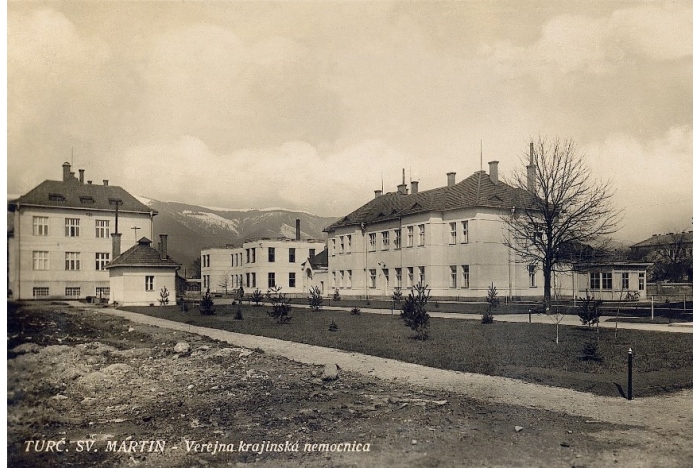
[349, 233]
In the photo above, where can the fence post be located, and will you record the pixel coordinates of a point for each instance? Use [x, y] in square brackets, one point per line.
[629, 374]
[652, 307]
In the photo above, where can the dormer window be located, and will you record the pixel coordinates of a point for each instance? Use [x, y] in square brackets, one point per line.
[86, 199]
[56, 197]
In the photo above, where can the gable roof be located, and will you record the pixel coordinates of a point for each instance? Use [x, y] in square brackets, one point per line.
[320, 260]
[74, 194]
[476, 190]
[142, 254]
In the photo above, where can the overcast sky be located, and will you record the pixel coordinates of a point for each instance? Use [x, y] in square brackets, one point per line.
[310, 105]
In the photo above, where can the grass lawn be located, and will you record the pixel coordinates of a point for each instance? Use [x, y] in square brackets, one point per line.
[663, 361]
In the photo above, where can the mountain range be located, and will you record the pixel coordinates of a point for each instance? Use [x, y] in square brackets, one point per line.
[191, 228]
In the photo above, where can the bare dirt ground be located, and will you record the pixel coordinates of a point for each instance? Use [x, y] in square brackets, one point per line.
[82, 377]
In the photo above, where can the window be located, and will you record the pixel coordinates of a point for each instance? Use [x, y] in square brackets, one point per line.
[101, 228]
[349, 279]
[373, 242]
[531, 269]
[349, 244]
[372, 278]
[409, 277]
[247, 280]
[342, 245]
[205, 261]
[234, 262]
[421, 235]
[594, 281]
[397, 274]
[641, 281]
[421, 275]
[342, 279]
[40, 225]
[332, 247]
[453, 234]
[252, 255]
[625, 280]
[292, 255]
[385, 240]
[271, 280]
[149, 282]
[465, 232]
[312, 253]
[101, 260]
[102, 292]
[73, 292]
[73, 261]
[397, 238]
[465, 276]
[333, 284]
[72, 227]
[40, 260]
[247, 255]
[292, 280]
[453, 275]
[56, 197]
[86, 200]
[271, 254]
[606, 278]
[253, 280]
[409, 236]
[40, 292]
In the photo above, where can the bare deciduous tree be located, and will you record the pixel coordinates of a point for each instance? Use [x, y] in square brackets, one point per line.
[561, 205]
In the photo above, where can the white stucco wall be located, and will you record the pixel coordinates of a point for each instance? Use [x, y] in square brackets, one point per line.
[128, 285]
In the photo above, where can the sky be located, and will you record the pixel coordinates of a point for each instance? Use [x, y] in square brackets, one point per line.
[313, 105]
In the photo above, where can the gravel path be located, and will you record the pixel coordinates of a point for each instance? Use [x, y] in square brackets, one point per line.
[670, 415]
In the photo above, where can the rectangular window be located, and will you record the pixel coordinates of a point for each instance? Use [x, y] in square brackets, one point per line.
[625, 281]
[342, 279]
[312, 253]
[102, 292]
[247, 280]
[372, 278]
[465, 232]
[332, 247]
[292, 255]
[73, 292]
[606, 279]
[102, 228]
[252, 255]
[349, 279]
[373, 242]
[72, 227]
[40, 226]
[271, 280]
[385, 240]
[342, 245]
[233, 260]
[40, 292]
[397, 238]
[292, 280]
[409, 277]
[594, 281]
[101, 260]
[531, 269]
[149, 282]
[421, 275]
[453, 276]
[253, 280]
[421, 235]
[271, 254]
[409, 236]
[349, 244]
[465, 276]
[641, 281]
[40, 260]
[397, 273]
[72, 261]
[453, 233]
[333, 284]
[205, 261]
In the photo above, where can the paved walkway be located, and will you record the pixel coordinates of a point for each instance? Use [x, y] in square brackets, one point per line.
[674, 411]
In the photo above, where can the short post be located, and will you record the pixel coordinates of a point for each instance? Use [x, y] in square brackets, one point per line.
[529, 315]
[652, 307]
[684, 303]
[629, 374]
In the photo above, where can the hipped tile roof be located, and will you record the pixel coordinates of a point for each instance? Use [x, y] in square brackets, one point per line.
[142, 254]
[665, 239]
[476, 190]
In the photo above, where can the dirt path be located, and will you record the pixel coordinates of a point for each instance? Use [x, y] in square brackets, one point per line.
[665, 413]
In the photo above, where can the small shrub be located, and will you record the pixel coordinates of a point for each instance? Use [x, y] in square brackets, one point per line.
[413, 311]
[590, 352]
[256, 297]
[493, 301]
[239, 314]
[164, 296]
[185, 306]
[336, 295]
[206, 305]
[259, 350]
[368, 303]
[437, 305]
[315, 298]
[280, 305]
[355, 311]
[589, 310]
[396, 298]
[333, 327]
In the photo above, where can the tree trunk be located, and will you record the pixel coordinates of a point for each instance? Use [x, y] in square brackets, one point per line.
[547, 271]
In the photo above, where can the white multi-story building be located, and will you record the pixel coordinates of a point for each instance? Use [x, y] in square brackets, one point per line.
[258, 264]
[61, 237]
[450, 238]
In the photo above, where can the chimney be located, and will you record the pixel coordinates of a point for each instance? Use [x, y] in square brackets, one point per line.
[377, 193]
[451, 179]
[531, 170]
[89, 182]
[298, 229]
[66, 171]
[105, 182]
[72, 175]
[493, 171]
[402, 189]
[163, 246]
[414, 186]
[82, 175]
[116, 245]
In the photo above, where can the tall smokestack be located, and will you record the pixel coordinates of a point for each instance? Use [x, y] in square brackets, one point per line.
[163, 246]
[414, 186]
[116, 245]
[66, 171]
[82, 175]
[531, 170]
[493, 171]
[298, 229]
[451, 178]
